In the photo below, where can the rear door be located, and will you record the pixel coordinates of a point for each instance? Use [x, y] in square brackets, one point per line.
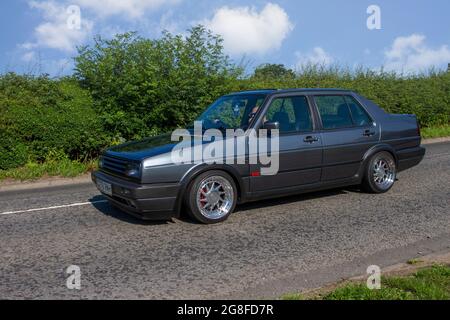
[348, 132]
[300, 156]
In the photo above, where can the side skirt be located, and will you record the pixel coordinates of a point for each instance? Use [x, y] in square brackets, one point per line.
[276, 193]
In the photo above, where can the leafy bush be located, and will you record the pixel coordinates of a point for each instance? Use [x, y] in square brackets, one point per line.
[142, 87]
[40, 116]
[426, 95]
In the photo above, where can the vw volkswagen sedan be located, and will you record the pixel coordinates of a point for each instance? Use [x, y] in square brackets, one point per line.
[328, 138]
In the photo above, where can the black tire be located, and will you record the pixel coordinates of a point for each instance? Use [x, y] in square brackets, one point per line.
[380, 178]
[193, 191]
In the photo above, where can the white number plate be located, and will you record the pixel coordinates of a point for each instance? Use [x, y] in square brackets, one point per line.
[104, 187]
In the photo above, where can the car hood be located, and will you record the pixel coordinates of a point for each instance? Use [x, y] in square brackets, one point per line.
[146, 148]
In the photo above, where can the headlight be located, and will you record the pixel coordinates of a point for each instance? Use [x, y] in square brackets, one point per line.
[133, 170]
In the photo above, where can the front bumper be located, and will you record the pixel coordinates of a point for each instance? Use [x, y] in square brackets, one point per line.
[410, 157]
[147, 202]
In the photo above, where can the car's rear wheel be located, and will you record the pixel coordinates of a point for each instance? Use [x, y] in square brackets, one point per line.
[211, 197]
[380, 174]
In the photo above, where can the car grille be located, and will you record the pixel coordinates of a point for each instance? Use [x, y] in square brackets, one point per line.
[115, 165]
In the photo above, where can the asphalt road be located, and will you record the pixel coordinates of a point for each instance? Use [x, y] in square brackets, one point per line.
[263, 250]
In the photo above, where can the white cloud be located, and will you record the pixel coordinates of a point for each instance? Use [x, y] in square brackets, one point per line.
[411, 55]
[318, 56]
[130, 8]
[54, 31]
[246, 31]
[169, 23]
[27, 45]
[29, 56]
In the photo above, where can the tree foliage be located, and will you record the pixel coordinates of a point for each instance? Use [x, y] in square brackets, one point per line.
[273, 72]
[142, 86]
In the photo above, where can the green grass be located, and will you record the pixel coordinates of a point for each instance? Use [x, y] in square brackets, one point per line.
[293, 296]
[61, 168]
[414, 261]
[431, 283]
[436, 132]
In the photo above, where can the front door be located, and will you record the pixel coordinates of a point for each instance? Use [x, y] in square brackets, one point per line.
[300, 156]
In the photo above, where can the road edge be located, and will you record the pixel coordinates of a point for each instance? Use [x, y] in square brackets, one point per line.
[435, 140]
[44, 183]
[401, 269]
[308, 281]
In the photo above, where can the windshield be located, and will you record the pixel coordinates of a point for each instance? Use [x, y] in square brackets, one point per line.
[232, 112]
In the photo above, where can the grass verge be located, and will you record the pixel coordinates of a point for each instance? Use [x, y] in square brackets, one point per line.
[435, 132]
[432, 283]
[61, 168]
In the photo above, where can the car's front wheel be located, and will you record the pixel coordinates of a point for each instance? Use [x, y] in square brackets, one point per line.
[211, 197]
[380, 174]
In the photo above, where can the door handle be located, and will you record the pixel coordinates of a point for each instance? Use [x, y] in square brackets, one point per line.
[368, 133]
[311, 139]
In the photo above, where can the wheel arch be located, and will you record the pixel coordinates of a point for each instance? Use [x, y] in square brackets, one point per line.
[374, 150]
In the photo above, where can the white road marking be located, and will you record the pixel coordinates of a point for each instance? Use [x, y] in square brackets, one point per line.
[54, 207]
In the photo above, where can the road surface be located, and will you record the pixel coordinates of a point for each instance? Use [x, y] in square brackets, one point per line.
[264, 250]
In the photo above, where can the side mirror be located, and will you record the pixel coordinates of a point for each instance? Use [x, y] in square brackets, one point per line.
[271, 126]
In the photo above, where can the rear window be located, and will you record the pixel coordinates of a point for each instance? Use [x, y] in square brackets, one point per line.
[359, 115]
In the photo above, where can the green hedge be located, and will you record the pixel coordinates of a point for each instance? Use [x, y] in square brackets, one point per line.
[426, 95]
[42, 118]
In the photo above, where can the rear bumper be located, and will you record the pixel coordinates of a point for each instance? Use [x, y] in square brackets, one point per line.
[147, 202]
[410, 157]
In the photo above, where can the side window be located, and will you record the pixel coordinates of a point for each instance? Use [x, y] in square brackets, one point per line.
[303, 114]
[359, 115]
[292, 113]
[233, 112]
[334, 112]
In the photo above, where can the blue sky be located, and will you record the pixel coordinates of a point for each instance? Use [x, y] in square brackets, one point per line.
[414, 35]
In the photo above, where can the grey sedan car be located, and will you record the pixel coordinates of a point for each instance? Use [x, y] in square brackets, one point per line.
[326, 138]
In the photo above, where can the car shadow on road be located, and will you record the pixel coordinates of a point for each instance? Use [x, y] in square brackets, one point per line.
[261, 204]
[99, 203]
[111, 211]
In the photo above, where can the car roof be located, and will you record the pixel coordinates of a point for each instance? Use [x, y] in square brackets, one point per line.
[293, 90]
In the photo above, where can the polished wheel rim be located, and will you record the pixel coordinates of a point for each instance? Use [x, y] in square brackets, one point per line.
[384, 173]
[215, 197]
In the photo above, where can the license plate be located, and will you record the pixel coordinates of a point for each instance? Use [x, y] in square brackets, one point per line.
[104, 187]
